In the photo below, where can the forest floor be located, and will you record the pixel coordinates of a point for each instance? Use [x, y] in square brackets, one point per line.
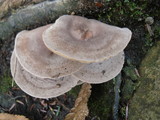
[122, 13]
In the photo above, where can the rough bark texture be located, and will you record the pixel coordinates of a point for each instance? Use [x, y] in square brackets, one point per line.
[8, 5]
[40, 14]
[31, 16]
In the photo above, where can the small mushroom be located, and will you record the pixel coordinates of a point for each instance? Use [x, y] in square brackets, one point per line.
[34, 56]
[149, 21]
[40, 87]
[85, 40]
[101, 72]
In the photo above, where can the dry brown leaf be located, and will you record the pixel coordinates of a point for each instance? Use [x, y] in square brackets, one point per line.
[80, 109]
[6, 116]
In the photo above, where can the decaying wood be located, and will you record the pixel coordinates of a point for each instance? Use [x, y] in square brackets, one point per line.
[6, 116]
[7, 5]
[80, 109]
[38, 15]
[30, 16]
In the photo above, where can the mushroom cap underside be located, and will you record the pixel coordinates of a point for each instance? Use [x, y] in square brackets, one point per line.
[40, 87]
[101, 72]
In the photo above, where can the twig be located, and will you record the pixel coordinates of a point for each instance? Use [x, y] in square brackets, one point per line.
[66, 108]
[14, 98]
[13, 105]
[3, 109]
[137, 73]
[126, 112]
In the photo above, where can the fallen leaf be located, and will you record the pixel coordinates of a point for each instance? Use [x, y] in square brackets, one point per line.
[20, 102]
[6, 116]
[80, 109]
[12, 107]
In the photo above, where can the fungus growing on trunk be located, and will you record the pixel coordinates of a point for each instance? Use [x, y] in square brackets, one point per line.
[102, 71]
[50, 60]
[34, 56]
[40, 87]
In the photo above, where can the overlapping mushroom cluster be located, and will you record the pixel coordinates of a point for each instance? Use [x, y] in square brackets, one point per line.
[52, 59]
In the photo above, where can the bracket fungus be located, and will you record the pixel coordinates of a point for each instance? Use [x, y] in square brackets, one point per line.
[52, 59]
[34, 56]
[102, 71]
[85, 40]
[40, 87]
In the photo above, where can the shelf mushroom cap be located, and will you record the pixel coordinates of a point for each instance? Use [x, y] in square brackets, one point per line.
[40, 87]
[85, 40]
[37, 59]
[101, 72]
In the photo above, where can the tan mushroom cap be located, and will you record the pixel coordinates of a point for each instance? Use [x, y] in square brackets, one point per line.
[40, 87]
[37, 59]
[85, 40]
[101, 72]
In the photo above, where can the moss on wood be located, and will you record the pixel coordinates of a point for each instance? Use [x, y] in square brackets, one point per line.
[145, 103]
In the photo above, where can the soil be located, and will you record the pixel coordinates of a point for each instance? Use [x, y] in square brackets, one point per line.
[18, 102]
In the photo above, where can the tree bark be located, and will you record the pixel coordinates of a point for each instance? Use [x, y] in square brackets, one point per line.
[6, 6]
[40, 14]
[31, 16]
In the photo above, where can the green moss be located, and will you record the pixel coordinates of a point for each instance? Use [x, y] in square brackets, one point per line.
[145, 103]
[130, 83]
[149, 41]
[150, 64]
[122, 12]
[130, 72]
[5, 83]
[128, 89]
[157, 31]
[74, 91]
[101, 100]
